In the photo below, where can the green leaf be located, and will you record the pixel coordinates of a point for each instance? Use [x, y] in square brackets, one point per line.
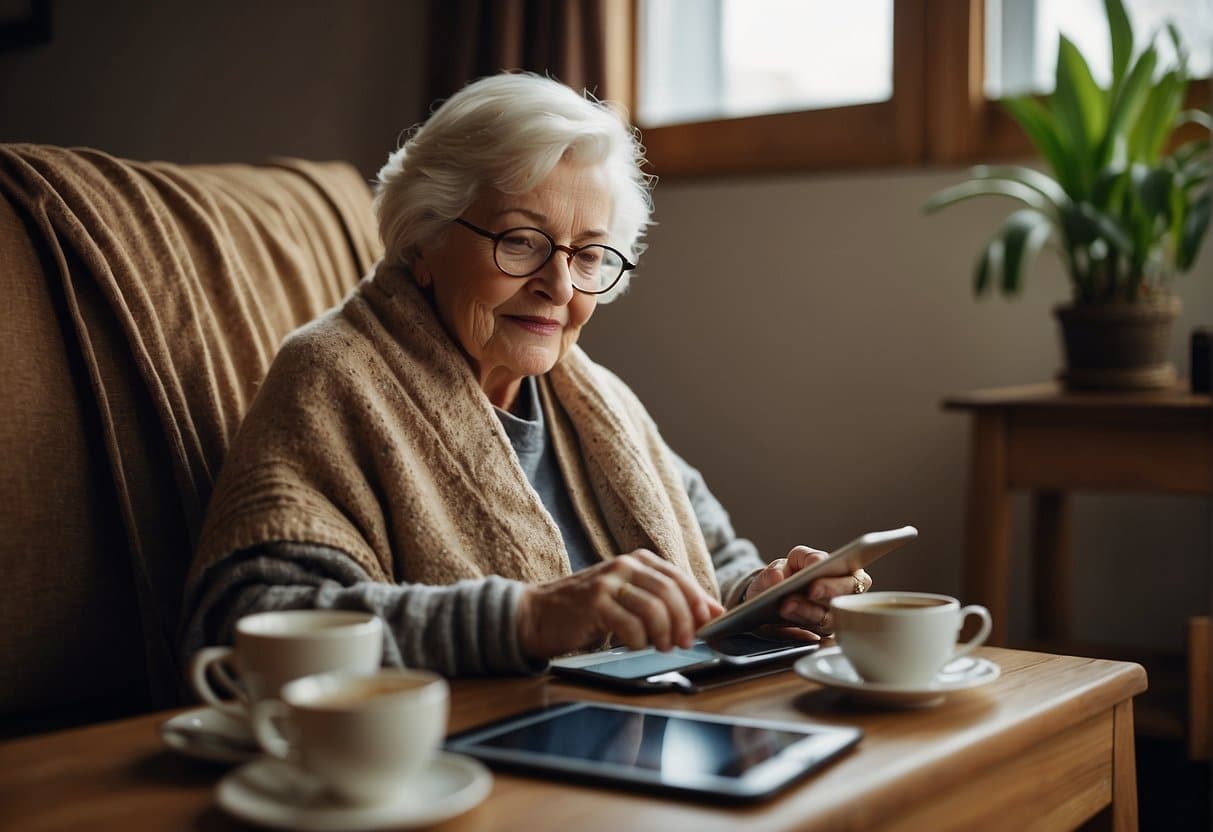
[1154, 188]
[1086, 223]
[1189, 152]
[1178, 212]
[1108, 191]
[1181, 51]
[989, 265]
[1122, 41]
[1126, 107]
[1042, 130]
[1195, 117]
[1045, 185]
[1195, 173]
[1194, 231]
[1079, 107]
[1023, 234]
[986, 187]
[1157, 118]
[1136, 220]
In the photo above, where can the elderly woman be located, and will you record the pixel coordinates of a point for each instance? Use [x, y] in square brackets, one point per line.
[439, 451]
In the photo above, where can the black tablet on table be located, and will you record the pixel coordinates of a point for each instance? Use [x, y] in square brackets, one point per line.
[686, 753]
[701, 667]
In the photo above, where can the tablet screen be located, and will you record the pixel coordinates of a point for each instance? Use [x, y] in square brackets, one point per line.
[710, 755]
[676, 745]
[641, 664]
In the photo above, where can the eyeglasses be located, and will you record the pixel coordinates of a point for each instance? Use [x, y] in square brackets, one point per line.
[520, 252]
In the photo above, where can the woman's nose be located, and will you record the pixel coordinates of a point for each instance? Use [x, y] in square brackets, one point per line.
[555, 279]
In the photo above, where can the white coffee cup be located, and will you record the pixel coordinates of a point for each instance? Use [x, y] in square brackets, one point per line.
[903, 638]
[272, 648]
[363, 736]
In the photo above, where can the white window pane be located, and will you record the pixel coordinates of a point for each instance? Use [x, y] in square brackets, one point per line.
[709, 59]
[1021, 38]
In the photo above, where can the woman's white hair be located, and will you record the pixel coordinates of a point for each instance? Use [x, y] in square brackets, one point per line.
[508, 132]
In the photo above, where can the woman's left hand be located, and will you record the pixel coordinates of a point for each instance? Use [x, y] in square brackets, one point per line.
[808, 610]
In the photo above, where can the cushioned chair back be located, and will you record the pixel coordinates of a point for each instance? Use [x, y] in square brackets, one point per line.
[145, 303]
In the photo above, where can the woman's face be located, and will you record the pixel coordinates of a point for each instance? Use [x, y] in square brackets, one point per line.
[510, 327]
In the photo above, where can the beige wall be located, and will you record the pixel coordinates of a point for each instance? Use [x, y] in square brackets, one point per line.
[793, 336]
[220, 81]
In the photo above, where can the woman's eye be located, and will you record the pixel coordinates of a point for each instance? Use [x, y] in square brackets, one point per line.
[518, 242]
[589, 257]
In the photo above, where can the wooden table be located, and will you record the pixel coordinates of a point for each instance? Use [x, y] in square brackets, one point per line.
[1041, 439]
[1048, 745]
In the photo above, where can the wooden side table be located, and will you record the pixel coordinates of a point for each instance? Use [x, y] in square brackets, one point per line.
[1049, 442]
[1040, 439]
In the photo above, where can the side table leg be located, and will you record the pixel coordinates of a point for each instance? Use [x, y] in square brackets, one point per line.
[988, 522]
[1124, 769]
[1052, 566]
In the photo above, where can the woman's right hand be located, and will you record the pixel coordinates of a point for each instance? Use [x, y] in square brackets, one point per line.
[638, 597]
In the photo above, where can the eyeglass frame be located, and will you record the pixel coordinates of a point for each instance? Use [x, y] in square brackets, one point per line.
[571, 251]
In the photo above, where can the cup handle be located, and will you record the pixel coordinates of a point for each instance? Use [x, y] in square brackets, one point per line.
[220, 659]
[268, 736]
[979, 639]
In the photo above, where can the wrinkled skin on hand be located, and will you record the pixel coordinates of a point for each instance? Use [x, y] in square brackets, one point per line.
[807, 613]
[638, 598]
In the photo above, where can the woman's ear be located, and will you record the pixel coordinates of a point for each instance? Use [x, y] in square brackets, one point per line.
[421, 271]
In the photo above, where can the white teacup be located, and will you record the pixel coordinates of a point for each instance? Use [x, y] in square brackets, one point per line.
[272, 648]
[903, 638]
[363, 736]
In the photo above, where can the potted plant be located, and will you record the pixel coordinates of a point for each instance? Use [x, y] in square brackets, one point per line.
[1125, 215]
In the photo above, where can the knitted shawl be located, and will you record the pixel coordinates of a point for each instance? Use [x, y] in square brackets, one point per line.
[370, 434]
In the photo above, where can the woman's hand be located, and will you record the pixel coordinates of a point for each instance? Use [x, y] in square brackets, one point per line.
[810, 609]
[638, 597]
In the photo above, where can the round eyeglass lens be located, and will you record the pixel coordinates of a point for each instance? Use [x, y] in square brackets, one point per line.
[596, 268]
[521, 251]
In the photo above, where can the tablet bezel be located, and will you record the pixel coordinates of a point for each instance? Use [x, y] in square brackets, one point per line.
[821, 744]
[587, 667]
[764, 607]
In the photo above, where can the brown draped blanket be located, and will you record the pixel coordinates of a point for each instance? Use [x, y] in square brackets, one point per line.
[172, 288]
[371, 435]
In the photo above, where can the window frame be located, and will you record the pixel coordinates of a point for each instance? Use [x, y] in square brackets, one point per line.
[955, 123]
[862, 135]
[962, 124]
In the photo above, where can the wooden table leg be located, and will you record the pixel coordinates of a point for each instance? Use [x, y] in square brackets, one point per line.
[1052, 566]
[1200, 702]
[988, 522]
[1124, 769]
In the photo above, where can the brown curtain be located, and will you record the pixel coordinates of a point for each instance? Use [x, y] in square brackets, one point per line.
[564, 39]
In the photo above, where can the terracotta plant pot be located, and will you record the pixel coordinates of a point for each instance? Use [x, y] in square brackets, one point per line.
[1118, 346]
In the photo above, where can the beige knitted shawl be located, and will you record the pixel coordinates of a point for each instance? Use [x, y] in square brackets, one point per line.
[371, 435]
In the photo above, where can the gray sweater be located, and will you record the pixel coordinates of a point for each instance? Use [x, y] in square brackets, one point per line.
[466, 628]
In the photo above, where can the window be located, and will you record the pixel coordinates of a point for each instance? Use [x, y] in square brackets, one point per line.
[883, 81]
[880, 132]
[711, 59]
[1021, 39]
[964, 124]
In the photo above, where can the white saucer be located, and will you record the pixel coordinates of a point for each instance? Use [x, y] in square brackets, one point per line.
[208, 734]
[830, 667]
[270, 792]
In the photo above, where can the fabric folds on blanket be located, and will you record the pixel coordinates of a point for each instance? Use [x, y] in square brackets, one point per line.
[371, 435]
[175, 287]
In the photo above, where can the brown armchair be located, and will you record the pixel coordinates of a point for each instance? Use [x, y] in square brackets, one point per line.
[143, 305]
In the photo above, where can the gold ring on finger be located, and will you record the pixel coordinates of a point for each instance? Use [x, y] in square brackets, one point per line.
[859, 586]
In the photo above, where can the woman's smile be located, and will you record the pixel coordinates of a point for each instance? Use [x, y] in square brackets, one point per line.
[536, 324]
